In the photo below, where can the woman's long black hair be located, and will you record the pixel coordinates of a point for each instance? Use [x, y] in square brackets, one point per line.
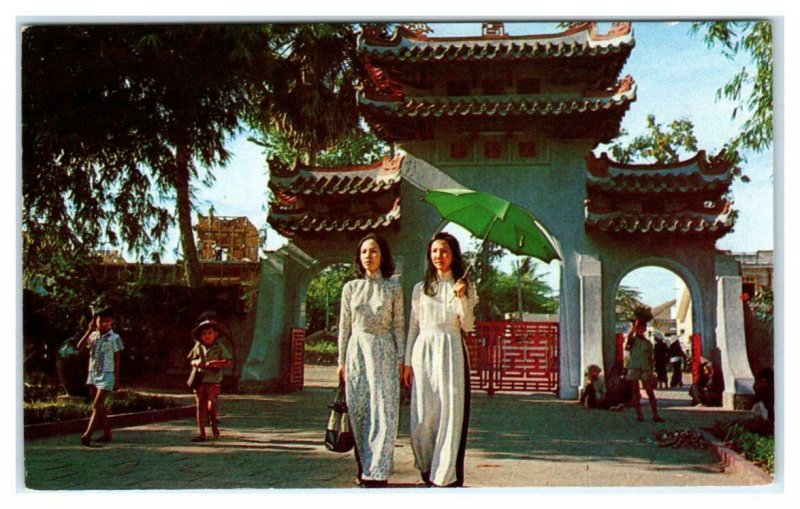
[387, 264]
[431, 283]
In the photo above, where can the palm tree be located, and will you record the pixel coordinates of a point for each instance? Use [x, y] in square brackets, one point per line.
[311, 97]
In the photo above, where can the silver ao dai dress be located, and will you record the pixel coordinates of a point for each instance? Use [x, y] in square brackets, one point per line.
[371, 346]
[438, 395]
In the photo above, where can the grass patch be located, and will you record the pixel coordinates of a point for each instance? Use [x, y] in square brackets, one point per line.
[323, 349]
[752, 438]
[121, 402]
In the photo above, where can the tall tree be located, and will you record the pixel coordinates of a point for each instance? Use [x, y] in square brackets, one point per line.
[311, 97]
[657, 144]
[627, 300]
[358, 147]
[115, 117]
[324, 296]
[750, 89]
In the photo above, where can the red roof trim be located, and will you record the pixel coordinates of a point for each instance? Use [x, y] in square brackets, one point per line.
[716, 165]
[375, 38]
[386, 164]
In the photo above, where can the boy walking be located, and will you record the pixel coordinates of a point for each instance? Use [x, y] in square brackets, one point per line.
[104, 347]
[210, 357]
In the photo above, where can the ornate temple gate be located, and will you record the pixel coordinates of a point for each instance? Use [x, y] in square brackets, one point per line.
[514, 356]
[518, 117]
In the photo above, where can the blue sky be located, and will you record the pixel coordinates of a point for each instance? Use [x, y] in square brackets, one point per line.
[677, 77]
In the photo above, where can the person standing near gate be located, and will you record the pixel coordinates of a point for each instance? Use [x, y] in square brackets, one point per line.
[371, 343]
[640, 365]
[661, 358]
[436, 364]
[676, 358]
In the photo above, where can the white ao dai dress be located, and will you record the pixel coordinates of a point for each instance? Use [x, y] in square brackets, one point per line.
[439, 395]
[371, 346]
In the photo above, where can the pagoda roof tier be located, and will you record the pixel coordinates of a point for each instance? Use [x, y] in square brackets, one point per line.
[686, 223]
[397, 117]
[381, 175]
[582, 39]
[698, 174]
[306, 222]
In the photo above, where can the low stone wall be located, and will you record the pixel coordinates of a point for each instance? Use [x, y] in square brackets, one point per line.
[49, 429]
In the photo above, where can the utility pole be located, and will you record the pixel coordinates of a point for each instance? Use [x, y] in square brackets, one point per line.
[519, 289]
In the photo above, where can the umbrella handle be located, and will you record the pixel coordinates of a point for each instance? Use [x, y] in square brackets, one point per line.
[480, 246]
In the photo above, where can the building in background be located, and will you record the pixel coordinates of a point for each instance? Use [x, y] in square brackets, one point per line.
[226, 238]
[757, 271]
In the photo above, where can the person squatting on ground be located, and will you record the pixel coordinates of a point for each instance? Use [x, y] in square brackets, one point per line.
[371, 347]
[209, 356]
[640, 368]
[436, 364]
[594, 393]
[764, 395]
[677, 358]
[104, 347]
[706, 391]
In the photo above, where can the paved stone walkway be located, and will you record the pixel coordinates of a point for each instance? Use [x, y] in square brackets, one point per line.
[275, 441]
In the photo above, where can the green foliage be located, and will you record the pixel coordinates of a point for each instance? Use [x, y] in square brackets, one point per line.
[34, 393]
[153, 320]
[750, 90]
[358, 147]
[324, 295]
[763, 306]
[658, 144]
[500, 291]
[324, 351]
[118, 403]
[757, 448]
[115, 119]
[311, 97]
[627, 301]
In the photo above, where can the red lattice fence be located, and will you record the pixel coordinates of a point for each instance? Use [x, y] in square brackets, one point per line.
[514, 356]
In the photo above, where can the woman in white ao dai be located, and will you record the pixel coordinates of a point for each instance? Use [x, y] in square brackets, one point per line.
[436, 365]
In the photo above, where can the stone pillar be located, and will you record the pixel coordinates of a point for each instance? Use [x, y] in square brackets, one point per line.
[590, 274]
[263, 360]
[731, 342]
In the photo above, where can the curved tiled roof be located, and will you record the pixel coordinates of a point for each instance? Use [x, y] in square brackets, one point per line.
[580, 39]
[382, 175]
[697, 174]
[604, 166]
[682, 223]
[306, 222]
[534, 104]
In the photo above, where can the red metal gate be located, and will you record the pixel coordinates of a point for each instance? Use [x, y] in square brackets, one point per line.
[297, 337]
[514, 356]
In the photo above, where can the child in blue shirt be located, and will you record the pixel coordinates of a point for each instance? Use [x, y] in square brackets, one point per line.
[104, 347]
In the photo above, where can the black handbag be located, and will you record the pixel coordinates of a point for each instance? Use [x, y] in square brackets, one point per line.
[338, 435]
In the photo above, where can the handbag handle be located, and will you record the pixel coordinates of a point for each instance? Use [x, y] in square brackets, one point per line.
[340, 403]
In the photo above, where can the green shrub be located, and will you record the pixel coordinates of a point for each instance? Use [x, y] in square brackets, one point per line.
[33, 393]
[757, 448]
[322, 352]
[121, 402]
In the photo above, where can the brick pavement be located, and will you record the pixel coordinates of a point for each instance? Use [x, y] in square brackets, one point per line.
[275, 441]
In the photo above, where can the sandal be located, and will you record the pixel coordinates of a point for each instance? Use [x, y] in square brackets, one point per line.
[199, 438]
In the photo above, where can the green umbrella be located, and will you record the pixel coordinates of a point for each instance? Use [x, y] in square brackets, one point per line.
[491, 218]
